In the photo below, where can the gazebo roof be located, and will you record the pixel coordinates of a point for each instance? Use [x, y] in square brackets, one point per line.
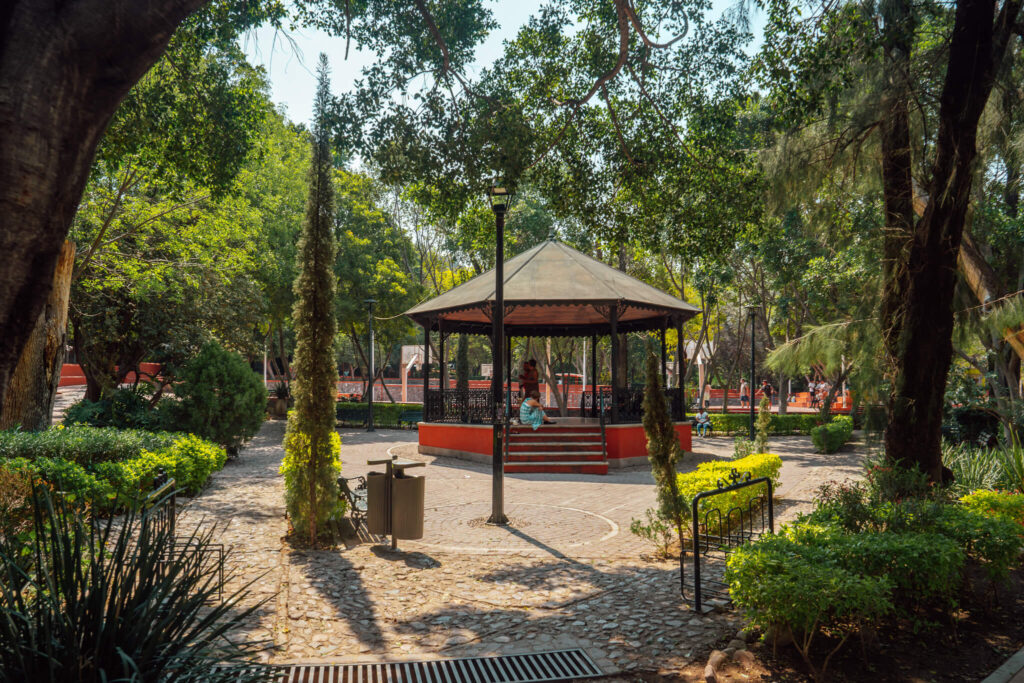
[554, 290]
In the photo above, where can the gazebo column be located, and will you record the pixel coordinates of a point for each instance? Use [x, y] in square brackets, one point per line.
[680, 369]
[508, 374]
[614, 324]
[593, 375]
[664, 355]
[426, 363]
[443, 367]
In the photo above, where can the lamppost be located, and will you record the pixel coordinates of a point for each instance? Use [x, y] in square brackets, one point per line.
[752, 312]
[500, 198]
[369, 411]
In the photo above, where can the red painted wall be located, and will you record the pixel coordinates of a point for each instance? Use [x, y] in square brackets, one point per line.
[469, 438]
[71, 374]
[629, 441]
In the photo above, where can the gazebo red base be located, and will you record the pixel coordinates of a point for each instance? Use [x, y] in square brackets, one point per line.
[571, 446]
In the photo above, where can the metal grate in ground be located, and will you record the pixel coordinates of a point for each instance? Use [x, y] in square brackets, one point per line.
[559, 665]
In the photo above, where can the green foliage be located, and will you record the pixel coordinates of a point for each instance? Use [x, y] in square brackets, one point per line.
[829, 438]
[710, 475]
[384, 414]
[1000, 504]
[663, 449]
[312, 447]
[779, 583]
[69, 480]
[655, 531]
[190, 460]
[741, 448]
[116, 600]
[82, 444]
[123, 408]
[219, 398]
[778, 425]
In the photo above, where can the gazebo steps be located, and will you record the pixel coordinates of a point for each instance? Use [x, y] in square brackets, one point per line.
[571, 449]
[556, 467]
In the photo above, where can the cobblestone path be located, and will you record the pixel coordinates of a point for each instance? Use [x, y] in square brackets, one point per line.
[567, 573]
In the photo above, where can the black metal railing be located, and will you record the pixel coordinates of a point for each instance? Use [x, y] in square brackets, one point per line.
[475, 406]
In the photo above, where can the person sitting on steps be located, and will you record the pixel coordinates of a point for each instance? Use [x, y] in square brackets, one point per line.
[531, 412]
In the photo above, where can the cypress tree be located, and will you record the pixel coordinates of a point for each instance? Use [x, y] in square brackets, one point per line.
[312, 445]
[663, 448]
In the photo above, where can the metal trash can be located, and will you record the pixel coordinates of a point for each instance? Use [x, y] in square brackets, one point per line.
[376, 503]
[408, 507]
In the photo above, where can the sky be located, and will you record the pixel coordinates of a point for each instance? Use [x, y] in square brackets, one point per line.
[290, 59]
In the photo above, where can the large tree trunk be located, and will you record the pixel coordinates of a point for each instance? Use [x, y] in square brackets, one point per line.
[64, 68]
[921, 258]
[33, 386]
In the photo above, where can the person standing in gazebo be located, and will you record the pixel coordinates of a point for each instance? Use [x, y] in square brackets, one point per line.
[529, 379]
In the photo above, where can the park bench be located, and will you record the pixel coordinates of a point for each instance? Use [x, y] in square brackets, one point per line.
[356, 498]
[411, 416]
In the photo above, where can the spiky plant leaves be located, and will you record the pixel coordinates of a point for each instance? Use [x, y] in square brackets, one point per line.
[120, 599]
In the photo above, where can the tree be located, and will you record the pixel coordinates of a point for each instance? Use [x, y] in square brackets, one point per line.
[66, 67]
[663, 449]
[311, 444]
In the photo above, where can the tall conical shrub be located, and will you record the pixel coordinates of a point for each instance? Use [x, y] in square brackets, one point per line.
[312, 446]
[663, 448]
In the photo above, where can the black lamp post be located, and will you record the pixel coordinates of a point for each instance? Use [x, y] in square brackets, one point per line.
[752, 312]
[369, 411]
[500, 199]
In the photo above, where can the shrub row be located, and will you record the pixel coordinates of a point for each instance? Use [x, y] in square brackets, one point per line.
[110, 473]
[384, 414]
[707, 476]
[1008, 506]
[829, 438]
[779, 425]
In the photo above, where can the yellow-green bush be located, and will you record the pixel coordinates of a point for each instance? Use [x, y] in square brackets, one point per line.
[1009, 506]
[708, 474]
[299, 473]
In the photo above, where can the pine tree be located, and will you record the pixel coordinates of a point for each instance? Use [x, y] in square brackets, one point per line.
[312, 445]
[663, 448]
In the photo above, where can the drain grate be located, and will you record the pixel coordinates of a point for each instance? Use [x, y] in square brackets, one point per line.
[559, 665]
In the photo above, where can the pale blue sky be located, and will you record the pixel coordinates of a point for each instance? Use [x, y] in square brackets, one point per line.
[291, 63]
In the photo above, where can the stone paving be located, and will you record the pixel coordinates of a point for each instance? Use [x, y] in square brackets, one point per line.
[566, 573]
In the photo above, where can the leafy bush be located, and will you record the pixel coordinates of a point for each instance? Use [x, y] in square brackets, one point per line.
[707, 476]
[656, 531]
[123, 408]
[220, 398]
[782, 584]
[109, 467]
[829, 438]
[1008, 506]
[82, 444]
[994, 541]
[738, 424]
[384, 414]
[116, 601]
[973, 468]
[298, 475]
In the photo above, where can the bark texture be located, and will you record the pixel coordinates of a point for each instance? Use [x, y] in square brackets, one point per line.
[921, 257]
[64, 68]
[33, 386]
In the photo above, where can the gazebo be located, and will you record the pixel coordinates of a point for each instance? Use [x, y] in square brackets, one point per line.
[551, 290]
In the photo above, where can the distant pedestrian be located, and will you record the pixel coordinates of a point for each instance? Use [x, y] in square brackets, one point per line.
[767, 390]
[812, 389]
[744, 392]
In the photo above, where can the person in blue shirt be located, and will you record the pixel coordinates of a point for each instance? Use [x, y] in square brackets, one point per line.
[531, 412]
[703, 422]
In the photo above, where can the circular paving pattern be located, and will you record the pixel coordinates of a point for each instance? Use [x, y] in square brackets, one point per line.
[533, 527]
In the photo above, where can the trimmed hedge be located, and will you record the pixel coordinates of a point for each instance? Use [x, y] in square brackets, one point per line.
[384, 414]
[780, 425]
[706, 476]
[830, 437]
[83, 444]
[106, 467]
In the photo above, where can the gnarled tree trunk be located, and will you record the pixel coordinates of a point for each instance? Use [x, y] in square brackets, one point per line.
[33, 386]
[64, 68]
